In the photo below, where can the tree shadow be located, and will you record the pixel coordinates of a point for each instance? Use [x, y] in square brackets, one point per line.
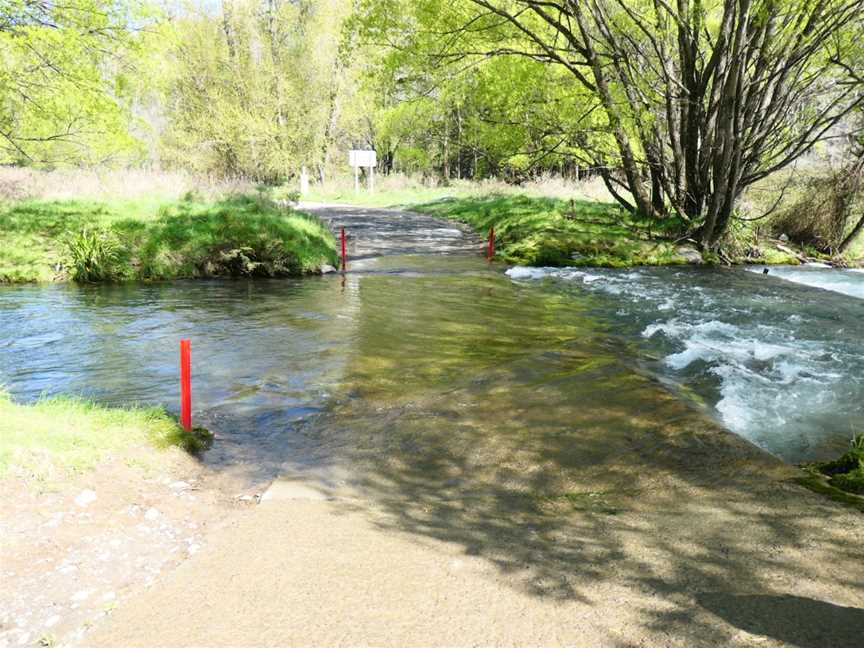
[796, 620]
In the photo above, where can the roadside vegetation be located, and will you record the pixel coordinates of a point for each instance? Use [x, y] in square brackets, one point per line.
[555, 232]
[151, 239]
[266, 91]
[64, 434]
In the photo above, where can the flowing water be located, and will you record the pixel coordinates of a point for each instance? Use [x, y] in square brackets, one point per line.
[299, 370]
[778, 358]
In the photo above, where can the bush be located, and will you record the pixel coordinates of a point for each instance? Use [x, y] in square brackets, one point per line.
[127, 240]
[241, 236]
[823, 214]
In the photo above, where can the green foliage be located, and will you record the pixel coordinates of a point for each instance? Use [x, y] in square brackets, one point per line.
[240, 236]
[847, 472]
[64, 91]
[93, 255]
[251, 92]
[633, 88]
[72, 434]
[510, 118]
[92, 241]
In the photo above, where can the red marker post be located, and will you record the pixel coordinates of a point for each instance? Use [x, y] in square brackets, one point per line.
[344, 254]
[490, 249]
[186, 384]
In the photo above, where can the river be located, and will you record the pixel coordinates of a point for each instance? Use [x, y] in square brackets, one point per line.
[774, 360]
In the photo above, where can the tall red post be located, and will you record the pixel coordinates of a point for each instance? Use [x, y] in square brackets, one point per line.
[344, 254]
[186, 384]
[490, 250]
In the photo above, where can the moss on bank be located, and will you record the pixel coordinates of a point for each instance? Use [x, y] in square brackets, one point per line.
[131, 240]
[841, 480]
[847, 472]
[73, 434]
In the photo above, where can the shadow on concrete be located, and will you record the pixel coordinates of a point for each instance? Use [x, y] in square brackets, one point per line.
[795, 620]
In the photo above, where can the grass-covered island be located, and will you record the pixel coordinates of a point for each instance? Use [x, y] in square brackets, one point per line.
[149, 239]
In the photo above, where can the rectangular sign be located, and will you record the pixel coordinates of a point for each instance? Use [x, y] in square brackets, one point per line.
[362, 158]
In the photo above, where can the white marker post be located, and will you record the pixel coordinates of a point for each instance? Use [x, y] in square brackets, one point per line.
[304, 181]
[367, 159]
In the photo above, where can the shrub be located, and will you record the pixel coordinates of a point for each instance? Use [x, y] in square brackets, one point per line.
[823, 215]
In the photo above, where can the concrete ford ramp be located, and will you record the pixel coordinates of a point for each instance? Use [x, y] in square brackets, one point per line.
[547, 496]
[385, 232]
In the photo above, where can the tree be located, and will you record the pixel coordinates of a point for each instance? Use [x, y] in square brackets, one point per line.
[255, 90]
[491, 117]
[63, 83]
[701, 98]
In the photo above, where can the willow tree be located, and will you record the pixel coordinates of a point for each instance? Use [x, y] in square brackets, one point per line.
[701, 98]
[254, 88]
[64, 69]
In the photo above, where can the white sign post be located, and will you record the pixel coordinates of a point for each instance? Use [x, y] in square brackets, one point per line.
[367, 159]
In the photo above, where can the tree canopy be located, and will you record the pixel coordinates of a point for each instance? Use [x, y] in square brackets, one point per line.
[678, 106]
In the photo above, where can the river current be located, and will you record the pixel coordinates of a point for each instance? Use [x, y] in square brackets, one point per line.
[778, 359]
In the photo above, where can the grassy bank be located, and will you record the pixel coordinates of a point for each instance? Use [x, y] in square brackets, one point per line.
[549, 221]
[118, 240]
[556, 232]
[69, 434]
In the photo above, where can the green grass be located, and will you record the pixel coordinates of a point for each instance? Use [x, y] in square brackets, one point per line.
[148, 239]
[555, 232]
[74, 435]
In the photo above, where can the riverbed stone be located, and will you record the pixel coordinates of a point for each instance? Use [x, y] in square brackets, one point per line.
[690, 254]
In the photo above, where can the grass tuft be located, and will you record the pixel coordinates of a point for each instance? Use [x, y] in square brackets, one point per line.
[93, 255]
[71, 434]
[847, 472]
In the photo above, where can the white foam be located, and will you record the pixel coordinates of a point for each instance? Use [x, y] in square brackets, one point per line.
[845, 282]
[521, 272]
[770, 375]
